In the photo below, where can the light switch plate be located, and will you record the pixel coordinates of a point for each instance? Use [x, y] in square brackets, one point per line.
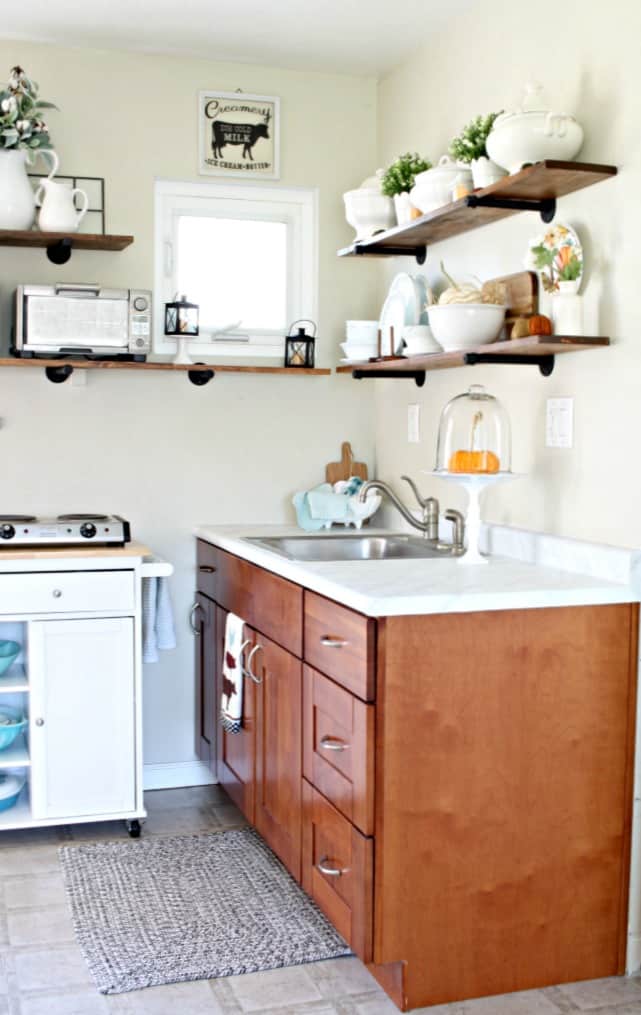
[559, 423]
[413, 423]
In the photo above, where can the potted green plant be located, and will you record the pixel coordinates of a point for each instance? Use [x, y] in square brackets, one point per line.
[468, 148]
[398, 180]
[23, 134]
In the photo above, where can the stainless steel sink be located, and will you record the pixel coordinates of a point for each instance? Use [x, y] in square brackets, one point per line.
[319, 548]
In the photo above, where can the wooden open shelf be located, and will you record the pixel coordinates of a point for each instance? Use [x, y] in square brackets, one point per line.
[60, 369]
[539, 350]
[79, 241]
[543, 182]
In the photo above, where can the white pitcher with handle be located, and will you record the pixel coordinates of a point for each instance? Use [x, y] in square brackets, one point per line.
[58, 212]
[17, 199]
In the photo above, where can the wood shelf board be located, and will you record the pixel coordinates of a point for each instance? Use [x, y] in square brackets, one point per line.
[10, 361]
[546, 179]
[536, 345]
[79, 241]
[15, 756]
[14, 681]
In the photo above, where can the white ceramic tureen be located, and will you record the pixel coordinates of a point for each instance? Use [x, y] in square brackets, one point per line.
[532, 133]
[367, 209]
[433, 188]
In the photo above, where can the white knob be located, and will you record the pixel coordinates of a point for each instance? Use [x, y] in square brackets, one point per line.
[40, 722]
[57, 593]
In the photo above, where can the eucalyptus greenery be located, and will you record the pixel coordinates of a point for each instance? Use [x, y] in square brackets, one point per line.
[470, 143]
[21, 122]
[399, 177]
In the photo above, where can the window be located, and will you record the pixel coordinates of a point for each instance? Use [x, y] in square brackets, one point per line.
[245, 254]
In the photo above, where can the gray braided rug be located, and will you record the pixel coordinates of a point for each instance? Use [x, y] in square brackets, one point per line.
[161, 910]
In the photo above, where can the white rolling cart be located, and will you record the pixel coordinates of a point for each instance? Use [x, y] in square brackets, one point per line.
[78, 617]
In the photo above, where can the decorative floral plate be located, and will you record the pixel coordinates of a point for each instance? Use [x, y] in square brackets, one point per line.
[557, 256]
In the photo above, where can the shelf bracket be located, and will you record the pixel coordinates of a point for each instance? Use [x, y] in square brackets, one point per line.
[200, 377]
[418, 376]
[545, 206]
[60, 251]
[545, 363]
[58, 375]
[389, 250]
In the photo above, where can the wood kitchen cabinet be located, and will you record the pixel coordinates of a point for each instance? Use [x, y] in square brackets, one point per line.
[236, 752]
[463, 810]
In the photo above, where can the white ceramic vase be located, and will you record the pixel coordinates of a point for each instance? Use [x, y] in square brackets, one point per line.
[485, 172]
[403, 208]
[17, 198]
[567, 311]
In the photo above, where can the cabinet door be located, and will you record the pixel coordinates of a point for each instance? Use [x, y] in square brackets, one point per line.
[205, 659]
[82, 719]
[236, 751]
[279, 750]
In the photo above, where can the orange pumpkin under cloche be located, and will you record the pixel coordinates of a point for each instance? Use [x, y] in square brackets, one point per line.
[474, 462]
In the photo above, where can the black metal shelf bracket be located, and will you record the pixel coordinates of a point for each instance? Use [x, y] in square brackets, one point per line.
[60, 251]
[389, 250]
[200, 377]
[545, 363]
[58, 375]
[545, 206]
[418, 376]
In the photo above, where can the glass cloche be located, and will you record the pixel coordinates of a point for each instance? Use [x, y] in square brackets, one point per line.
[474, 435]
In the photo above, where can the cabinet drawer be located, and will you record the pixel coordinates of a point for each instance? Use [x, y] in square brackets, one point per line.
[67, 592]
[338, 870]
[206, 568]
[265, 601]
[341, 643]
[338, 748]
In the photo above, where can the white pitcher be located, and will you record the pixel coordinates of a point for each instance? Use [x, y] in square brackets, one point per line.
[17, 199]
[58, 213]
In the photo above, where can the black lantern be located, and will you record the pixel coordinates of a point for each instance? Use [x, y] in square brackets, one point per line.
[299, 347]
[181, 318]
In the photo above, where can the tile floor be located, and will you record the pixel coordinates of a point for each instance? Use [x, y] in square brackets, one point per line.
[43, 973]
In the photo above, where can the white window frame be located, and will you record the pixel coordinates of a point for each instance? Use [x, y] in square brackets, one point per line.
[296, 206]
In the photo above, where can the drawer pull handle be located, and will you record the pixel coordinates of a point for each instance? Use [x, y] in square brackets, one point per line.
[330, 642]
[57, 593]
[333, 744]
[206, 569]
[248, 669]
[331, 872]
[192, 618]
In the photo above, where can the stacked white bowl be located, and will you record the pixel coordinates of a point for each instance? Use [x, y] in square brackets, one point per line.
[361, 340]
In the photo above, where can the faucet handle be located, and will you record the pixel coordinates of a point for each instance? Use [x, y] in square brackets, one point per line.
[458, 522]
[423, 501]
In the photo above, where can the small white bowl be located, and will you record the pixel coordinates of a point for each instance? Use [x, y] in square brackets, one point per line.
[358, 352]
[419, 339]
[466, 325]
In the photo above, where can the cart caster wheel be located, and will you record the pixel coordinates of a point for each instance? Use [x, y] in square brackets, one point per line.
[133, 827]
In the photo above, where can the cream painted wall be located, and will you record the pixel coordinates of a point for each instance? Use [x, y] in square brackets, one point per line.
[588, 60]
[165, 454]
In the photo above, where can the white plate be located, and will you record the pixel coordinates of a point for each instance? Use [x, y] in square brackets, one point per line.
[403, 306]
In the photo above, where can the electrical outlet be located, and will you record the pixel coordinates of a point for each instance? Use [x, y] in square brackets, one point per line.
[413, 423]
[559, 423]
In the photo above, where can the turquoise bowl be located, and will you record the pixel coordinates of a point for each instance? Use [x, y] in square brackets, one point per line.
[9, 732]
[9, 652]
[11, 787]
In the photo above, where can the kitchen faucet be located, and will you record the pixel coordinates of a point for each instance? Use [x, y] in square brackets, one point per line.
[429, 506]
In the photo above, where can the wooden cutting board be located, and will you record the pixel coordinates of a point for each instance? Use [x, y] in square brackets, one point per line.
[522, 296]
[346, 468]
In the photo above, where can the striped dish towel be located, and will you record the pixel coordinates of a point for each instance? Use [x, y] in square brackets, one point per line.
[231, 698]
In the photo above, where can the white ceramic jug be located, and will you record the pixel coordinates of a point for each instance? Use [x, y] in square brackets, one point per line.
[58, 213]
[17, 199]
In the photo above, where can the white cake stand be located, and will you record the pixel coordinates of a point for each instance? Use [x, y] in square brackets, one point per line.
[475, 484]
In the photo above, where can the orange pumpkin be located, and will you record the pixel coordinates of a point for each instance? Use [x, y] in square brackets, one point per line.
[540, 325]
[474, 461]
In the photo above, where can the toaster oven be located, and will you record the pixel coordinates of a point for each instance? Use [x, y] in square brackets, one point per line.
[82, 320]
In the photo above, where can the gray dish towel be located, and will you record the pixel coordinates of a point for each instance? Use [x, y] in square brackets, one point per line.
[158, 630]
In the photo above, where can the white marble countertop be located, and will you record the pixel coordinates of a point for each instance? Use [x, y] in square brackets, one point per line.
[404, 587]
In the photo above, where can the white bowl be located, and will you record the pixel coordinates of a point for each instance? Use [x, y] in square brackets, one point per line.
[466, 325]
[433, 188]
[419, 339]
[368, 211]
[362, 332]
[358, 352]
[531, 136]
